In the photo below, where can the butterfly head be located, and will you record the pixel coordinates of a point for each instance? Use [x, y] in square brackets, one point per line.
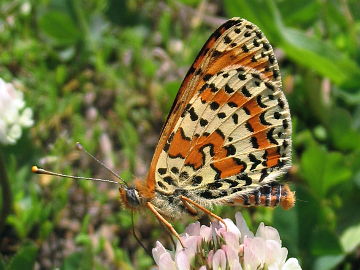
[130, 197]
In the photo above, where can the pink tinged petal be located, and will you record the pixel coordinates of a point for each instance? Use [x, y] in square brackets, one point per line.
[231, 227]
[243, 228]
[268, 233]
[166, 262]
[232, 258]
[205, 232]
[182, 261]
[284, 253]
[163, 258]
[191, 243]
[291, 264]
[219, 260]
[254, 253]
[210, 257]
[273, 253]
[193, 229]
[157, 251]
[232, 240]
[203, 268]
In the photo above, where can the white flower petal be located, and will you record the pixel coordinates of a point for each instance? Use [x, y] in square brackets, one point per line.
[232, 256]
[219, 260]
[241, 224]
[182, 261]
[273, 253]
[205, 232]
[166, 262]
[268, 233]
[14, 134]
[254, 253]
[157, 251]
[13, 115]
[231, 240]
[191, 243]
[26, 118]
[291, 264]
[193, 229]
[231, 227]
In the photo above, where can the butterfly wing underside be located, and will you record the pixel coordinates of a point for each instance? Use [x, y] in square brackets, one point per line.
[229, 130]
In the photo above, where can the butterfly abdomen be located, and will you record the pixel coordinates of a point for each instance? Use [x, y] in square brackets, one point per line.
[271, 195]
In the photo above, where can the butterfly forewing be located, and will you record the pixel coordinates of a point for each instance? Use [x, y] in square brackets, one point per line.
[229, 130]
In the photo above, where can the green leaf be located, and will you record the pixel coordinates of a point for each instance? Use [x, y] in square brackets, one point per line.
[323, 170]
[287, 223]
[2, 264]
[342, 130]
[24, 258]
[60, 27]
[262, 13]
[78, 260]
[324, 242]
[350, 239]
[320, 56]
[306, 50]
[328, 262]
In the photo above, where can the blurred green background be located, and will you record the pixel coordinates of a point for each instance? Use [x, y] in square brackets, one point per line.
[105, 73]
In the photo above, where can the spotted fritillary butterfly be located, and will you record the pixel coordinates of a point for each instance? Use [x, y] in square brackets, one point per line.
[228, 134]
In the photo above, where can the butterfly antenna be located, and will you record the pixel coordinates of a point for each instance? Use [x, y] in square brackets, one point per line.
[38, 170]
[81, 148]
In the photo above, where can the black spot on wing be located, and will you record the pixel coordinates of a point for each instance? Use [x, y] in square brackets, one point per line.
[232, 104]
[169, 180]
[254, 160]
[160, 184]
[254, 142]
[207, 77]
[263, 121]
[259, 102]
[203, 122]
[227, 40]
[193, 115]
[175, 170]
[245, 91]
[218, 131]
[245, 48]
[214, 105]
[270, 136]
[235, 118]
[228, 89]
[230, 150]
[162, 171]
[196, 180]
[215, 185]
[184, 176]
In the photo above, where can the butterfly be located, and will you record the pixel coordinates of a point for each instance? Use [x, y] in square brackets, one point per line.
[227, 137]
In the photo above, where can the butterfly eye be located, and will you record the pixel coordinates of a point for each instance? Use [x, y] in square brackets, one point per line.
[132, 197]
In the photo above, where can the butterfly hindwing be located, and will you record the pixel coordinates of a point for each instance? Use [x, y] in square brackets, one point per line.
[229, 130]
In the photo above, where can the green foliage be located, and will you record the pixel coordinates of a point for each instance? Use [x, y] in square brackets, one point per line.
[23, 259]
[105, 73]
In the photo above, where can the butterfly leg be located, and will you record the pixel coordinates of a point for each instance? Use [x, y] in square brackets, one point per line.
[186, 201]
[165, 222]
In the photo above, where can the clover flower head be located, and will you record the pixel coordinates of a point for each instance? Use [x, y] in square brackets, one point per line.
[13, 114]
[231, 248]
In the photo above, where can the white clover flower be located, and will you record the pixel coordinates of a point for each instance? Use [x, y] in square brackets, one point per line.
[237, 248]
[13, 114]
